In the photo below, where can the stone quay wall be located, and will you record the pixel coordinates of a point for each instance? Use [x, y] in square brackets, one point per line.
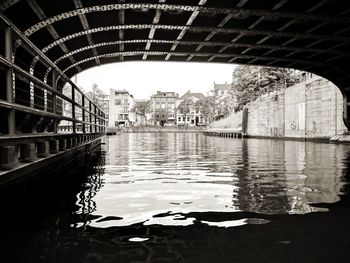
[312, 109]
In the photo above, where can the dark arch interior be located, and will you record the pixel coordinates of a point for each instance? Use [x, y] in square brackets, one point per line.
[77, 35]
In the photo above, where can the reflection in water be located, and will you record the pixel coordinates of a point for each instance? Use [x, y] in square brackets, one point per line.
[176, 197]
[150, 174]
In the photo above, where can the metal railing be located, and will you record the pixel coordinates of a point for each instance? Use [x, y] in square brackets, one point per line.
[18, 110]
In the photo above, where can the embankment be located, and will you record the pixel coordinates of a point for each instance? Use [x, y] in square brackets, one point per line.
[312, 109]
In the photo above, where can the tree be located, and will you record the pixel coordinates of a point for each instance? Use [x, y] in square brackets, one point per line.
[141, 108]
[206, 106]
[250, 82]
[185, 107]
[161, 116]
[97, 95]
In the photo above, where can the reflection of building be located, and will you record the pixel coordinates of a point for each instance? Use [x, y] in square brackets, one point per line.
[194, 116]
[120, 105]
[164, 108]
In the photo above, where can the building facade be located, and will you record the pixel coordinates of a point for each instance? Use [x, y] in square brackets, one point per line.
[163, 106]
[120, 105]
[224, 99]
[187, 113]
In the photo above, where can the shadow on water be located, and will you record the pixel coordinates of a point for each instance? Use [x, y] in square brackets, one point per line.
[53, 225]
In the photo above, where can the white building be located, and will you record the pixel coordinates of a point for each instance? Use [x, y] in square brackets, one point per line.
[194, 117]
[120, 105]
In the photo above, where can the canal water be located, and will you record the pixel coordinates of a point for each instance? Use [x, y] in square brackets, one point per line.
[185, 197]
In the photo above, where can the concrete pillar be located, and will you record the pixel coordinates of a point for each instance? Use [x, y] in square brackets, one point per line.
[54, 146]
[8, 157]
[27, 152]
[62, 144]
[43, 149]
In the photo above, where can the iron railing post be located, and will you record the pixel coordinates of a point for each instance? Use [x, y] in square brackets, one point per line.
[95, 111]
[73, 110]
[83, 111]
[90, 116]
[54, 101]
[11, 122]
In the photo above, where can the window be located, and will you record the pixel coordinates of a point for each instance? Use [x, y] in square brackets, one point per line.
[163, 105]
[179, 119]
[188, 118]
[183, 119]
[126, 102]
[157, 106]
[118, 102]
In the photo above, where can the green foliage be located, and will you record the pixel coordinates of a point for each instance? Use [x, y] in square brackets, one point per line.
[161, 115]
[185, 106]
[250, 82]
[97, 95]
[206, 106]
[141, 107]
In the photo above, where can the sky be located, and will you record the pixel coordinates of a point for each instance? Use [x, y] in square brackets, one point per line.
[142, 79]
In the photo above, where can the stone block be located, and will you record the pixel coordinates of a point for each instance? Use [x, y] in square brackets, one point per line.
[8, 157]
[69, 143]
[27, 152]
[62, 144]
[54, 146]
[43, 149]
[74, 141]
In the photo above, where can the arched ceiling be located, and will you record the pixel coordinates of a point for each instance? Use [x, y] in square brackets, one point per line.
[311, 35]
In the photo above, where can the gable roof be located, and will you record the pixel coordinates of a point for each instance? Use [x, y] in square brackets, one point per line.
[190, 94]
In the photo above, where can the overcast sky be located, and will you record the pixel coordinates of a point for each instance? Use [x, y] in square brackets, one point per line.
[142, 79]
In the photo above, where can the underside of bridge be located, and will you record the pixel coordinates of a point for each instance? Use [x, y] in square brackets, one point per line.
[310, 35]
